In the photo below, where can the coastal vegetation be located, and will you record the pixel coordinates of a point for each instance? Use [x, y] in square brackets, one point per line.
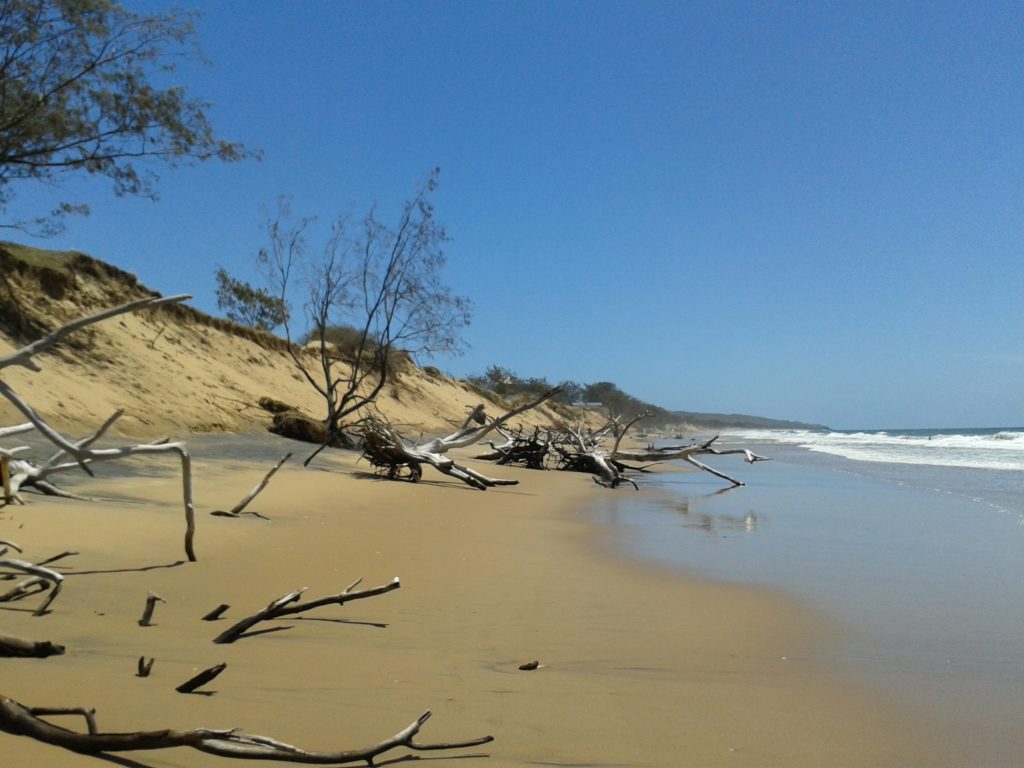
[81, 96]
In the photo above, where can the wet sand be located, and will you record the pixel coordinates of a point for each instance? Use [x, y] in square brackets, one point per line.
[640, 666]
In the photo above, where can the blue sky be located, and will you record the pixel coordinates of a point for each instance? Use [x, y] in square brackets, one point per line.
[811, 211]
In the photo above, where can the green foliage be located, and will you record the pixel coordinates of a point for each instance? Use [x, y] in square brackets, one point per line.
[622, 404]
[243, 304]
[504, 382]
[77, 97]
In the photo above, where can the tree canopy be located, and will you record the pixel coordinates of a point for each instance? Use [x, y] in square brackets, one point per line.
[246, 305]
[77, 94]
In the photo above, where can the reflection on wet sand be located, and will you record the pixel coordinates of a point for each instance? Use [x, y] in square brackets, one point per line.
[713, 524]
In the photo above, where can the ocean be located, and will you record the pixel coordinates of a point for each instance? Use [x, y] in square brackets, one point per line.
[911, 542]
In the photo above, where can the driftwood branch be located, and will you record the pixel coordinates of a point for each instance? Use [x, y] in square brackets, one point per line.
[286, 605]
[79, 453]
[17, 719]
[236, 510]
[39, 577]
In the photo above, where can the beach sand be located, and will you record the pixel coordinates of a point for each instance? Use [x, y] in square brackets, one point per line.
[639, 666]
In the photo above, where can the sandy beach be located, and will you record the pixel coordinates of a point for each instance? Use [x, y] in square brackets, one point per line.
[639, 666]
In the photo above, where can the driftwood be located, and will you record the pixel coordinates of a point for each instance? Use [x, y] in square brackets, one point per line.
[687, 454]
[79, 454]
[216, 613]
[237, 510]
[17, 719]
[530, 451]
[38, 649]
[40, 579]
[144, 667]
[387, 450]
[204, 677]
[581, 451]
[147, 612]
[287, 606]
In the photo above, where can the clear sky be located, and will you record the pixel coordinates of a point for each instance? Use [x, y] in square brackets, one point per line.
[811, 211]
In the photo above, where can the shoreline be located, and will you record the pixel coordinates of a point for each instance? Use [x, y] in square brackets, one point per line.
[640, 666]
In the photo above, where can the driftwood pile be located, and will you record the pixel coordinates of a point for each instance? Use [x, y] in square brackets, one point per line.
[581, 450]
[390, 453]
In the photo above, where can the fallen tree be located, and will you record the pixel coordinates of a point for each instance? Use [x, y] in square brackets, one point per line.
[18, 474]
[581, 451]
[387, 450]
[687, 454]
[20, 720]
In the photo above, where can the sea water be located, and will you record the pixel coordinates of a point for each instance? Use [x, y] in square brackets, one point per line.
[912, 541]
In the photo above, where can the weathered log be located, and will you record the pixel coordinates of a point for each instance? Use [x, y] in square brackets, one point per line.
[37, 649]
[286, 605]
[17, 719]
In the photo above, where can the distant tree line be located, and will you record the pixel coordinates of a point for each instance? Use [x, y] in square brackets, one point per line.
[602, 394]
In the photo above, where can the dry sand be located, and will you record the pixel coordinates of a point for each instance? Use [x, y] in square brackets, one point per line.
[639, 667]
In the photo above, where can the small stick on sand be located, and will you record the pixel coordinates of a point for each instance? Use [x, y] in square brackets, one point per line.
[147, 613]
[201, 679]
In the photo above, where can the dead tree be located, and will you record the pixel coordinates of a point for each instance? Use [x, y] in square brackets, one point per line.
[386, 449]
[80, 454]
[20, 720]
